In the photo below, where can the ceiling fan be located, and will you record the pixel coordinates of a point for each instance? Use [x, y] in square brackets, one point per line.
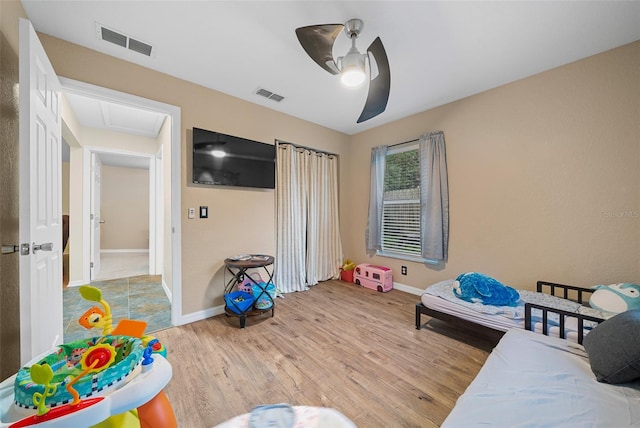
[318, 40]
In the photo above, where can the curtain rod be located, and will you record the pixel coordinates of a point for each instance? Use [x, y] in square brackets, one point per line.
[416, 139]
[279, 142]
[404, 142]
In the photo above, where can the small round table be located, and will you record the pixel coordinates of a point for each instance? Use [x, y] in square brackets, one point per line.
[237, 267]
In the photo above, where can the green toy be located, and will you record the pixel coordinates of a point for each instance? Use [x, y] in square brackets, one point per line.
[42, 375]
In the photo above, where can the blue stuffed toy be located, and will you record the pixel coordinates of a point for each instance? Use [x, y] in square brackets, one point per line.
[479, 288]
[615, 298]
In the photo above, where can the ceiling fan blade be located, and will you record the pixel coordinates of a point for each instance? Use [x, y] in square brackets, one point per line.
[380, 85]
[317, 41]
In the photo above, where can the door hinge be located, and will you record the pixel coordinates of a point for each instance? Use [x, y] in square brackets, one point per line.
[8, 249]
[91, 265]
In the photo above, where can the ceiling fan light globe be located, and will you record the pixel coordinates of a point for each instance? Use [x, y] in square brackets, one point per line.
[352, 77]
[217, 153]
[353, 73]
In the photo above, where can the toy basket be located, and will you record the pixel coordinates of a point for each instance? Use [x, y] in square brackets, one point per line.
[260, 291]
[239, 301]
[246, 284]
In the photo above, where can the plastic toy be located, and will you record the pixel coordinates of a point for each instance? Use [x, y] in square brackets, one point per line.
[477, 287]
[615, 298]
[375, 277]
[94, 317]
[346, 271]
[109, 381]
[42, 375]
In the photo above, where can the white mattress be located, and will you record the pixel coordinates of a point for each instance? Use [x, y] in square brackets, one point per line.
[496, 322]
[534, 380]
[503, 318]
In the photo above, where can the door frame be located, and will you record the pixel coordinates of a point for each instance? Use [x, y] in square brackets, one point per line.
[110, 95]
[155, 205]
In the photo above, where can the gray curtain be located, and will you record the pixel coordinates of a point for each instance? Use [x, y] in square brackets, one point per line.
[373, 238]
[434, 197]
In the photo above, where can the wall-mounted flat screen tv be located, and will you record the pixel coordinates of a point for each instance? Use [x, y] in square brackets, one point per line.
[220, 159]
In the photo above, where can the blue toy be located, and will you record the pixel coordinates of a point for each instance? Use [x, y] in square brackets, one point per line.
[479, 288]
[615, 298]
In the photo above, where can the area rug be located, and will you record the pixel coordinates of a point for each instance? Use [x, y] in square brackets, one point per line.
[137, 298]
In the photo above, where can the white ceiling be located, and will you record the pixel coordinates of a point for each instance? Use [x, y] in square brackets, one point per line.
[101, 114]
[439, 51]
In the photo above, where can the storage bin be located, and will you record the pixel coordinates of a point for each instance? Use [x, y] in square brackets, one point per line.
[239, 301]
[346, 275]
[260, 292]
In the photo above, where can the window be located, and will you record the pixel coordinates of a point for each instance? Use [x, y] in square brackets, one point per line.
[409, 201]
[401, 202]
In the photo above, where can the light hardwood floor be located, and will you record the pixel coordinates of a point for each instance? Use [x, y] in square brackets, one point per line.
[337, 345]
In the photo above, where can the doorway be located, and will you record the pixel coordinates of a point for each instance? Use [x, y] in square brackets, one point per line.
[162, 192]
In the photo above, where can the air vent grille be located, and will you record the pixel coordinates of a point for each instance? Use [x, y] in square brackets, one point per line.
[115, 37]
[270, 95]
[140, 47]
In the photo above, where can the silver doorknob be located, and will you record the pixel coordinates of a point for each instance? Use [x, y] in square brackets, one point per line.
[44, 247]
[101, 221]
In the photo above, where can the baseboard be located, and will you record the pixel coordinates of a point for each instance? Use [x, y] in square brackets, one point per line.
[126, 250]
[165, 287]
[76, 283]
[201, 315]
[408, 289]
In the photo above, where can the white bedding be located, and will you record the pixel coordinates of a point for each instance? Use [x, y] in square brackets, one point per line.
[440, 297]
[531, 380]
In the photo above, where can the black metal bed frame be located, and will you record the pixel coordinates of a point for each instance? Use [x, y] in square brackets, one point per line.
[570, 292]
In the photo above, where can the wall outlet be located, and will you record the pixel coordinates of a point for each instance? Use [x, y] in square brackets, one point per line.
[192, 213]
[403, 270]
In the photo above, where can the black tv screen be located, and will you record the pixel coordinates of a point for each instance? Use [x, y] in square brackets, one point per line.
[221, 159]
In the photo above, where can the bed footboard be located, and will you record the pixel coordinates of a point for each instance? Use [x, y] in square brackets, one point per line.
[562, 315]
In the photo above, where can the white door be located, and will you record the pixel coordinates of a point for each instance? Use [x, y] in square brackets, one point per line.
[96, 220]
[40, 199]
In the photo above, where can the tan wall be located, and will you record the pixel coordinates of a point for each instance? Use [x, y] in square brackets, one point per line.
[10, 11]
[239, 221]
[544, 177]
[124, 207]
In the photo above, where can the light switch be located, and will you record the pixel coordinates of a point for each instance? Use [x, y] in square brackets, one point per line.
[192, 213]
[204, 212]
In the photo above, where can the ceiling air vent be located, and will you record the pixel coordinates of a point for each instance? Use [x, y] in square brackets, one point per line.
[270, 95]
[115, 37]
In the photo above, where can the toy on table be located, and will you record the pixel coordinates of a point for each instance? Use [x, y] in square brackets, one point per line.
[477, 287]
[615, 298]
[93, 371]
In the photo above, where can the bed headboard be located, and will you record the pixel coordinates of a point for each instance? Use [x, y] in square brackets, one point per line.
[570, 292]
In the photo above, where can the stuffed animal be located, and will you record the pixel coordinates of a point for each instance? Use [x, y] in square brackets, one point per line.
[479, 288]
[615, 298]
